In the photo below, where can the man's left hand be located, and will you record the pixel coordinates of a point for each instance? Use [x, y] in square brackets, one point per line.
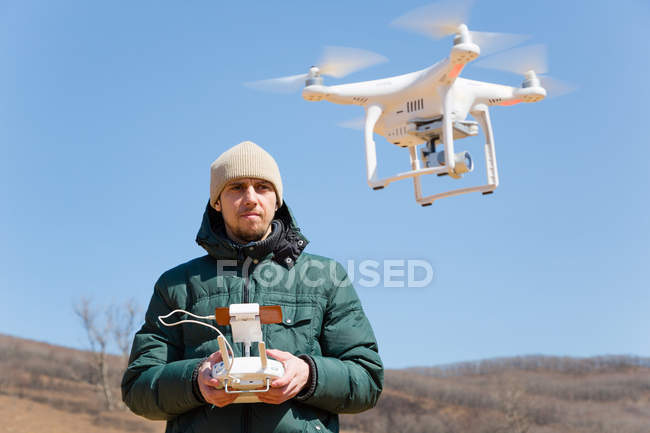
[296, 375]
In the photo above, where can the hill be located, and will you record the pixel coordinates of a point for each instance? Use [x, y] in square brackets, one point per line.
[51, 389]
[532, 394]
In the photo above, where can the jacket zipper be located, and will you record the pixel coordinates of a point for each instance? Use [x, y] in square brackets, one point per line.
[245, 415]
[245, 294]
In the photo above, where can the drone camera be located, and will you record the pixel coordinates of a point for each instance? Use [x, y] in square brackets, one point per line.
[463, 160]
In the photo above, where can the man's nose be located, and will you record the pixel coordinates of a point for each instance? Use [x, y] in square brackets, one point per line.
[250, 195]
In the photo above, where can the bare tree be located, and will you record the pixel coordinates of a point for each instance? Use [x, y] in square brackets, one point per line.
[514, 407]
[124, 321]
[98, 340]
[118, 324]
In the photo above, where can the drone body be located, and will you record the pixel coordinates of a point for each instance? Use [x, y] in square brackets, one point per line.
[430, 106]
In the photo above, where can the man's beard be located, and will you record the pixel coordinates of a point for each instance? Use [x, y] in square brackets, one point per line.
[249, 236]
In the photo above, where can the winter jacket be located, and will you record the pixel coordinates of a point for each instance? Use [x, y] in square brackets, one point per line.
[322, 321]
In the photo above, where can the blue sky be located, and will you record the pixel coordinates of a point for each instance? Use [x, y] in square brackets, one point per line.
[110, 114]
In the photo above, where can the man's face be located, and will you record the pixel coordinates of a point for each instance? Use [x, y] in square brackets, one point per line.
[248, 206]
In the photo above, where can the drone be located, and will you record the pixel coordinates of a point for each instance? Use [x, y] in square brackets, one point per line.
[430, 107]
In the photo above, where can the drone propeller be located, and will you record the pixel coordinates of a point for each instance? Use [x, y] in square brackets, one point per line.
[524, 59]
[288, 84]
[341, 61]
[358, 123]
[519, 60]
[436, 20]
[336, 62]
[444, 18]
[555, 87]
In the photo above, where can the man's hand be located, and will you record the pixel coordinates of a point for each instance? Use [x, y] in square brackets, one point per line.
[296, 375]
[208, 385]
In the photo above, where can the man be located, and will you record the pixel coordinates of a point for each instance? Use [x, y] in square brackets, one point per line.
[255, 254]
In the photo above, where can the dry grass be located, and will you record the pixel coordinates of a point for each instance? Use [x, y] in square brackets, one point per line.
[50, 389]
[24, 415]
[516, 395]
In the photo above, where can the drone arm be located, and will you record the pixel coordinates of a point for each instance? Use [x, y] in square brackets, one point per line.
[497, 94]
[373, 113]
[460, 55]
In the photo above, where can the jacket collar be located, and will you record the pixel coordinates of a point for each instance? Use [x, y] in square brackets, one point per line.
[285, 242]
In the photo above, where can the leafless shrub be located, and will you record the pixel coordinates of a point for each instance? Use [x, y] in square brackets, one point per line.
[124, 322]
[516, 406]
[607, 387]
[571, 365]
[543, 413]
[98, 338]
[117, 326]
[409, 423]
[107, 420]
[443, 392]
[380, 419]
[65, 404]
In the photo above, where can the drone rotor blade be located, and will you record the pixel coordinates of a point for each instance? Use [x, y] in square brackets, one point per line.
[436, 20]
[341, 61]
[555, 87]
[358, 123]
[289, 84]
[518, 60]
[490, 42]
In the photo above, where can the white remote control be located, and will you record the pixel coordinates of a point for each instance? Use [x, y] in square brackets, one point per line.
[248, 375]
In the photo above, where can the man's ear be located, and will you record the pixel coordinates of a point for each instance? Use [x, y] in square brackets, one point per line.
[217, 205]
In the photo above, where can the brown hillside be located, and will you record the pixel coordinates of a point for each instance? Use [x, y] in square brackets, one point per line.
[48, 388]
[534, 394]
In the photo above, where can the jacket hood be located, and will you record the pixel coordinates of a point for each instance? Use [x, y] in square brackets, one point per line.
[286, 242]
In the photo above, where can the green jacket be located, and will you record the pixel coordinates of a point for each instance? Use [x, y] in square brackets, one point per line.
[322, 320]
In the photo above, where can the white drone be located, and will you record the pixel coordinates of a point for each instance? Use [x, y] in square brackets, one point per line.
[429, 106]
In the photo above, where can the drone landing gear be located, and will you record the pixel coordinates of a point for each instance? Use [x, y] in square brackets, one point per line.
[373, 113]
[449, 130]
[436, 131]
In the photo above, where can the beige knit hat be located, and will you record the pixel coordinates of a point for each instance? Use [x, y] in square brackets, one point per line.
[246, 159]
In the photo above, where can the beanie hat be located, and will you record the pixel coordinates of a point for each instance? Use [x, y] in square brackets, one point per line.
[246, 159]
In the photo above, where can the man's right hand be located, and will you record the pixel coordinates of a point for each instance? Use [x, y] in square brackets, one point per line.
[209, 385]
